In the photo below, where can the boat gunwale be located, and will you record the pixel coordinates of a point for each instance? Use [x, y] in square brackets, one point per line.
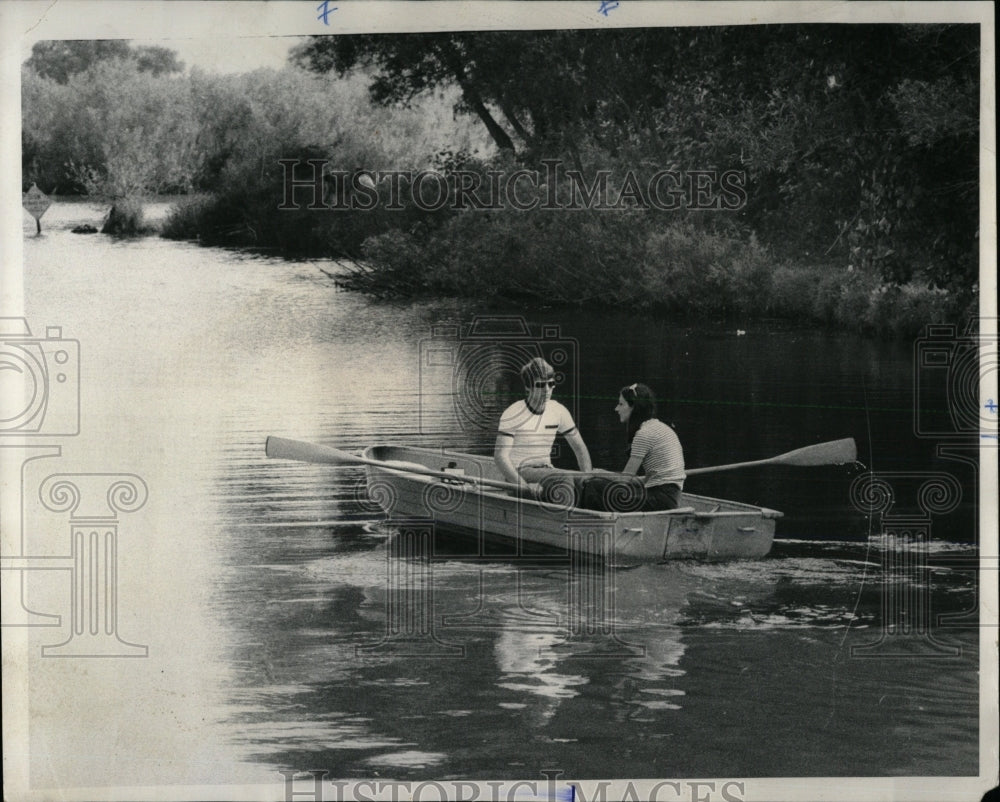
[624, 517]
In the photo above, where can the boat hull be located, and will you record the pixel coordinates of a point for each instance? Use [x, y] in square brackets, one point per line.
[702, 527]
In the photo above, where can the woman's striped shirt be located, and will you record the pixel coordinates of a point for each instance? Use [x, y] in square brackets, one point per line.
[662, 457]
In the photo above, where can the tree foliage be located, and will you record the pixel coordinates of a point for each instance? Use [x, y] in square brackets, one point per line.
[61, 59]
[859, 141]
[248, 123]
[119, 128]
[157, 60]
[112, 131]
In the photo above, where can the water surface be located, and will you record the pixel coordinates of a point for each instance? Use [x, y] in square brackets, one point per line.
[262, 587]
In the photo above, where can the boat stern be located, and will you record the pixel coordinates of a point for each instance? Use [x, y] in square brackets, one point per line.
[722, 535]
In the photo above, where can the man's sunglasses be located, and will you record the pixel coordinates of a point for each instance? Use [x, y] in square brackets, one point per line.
[546, 383]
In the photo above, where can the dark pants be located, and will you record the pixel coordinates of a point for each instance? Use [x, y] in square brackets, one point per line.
[559, 486]
[619, 494]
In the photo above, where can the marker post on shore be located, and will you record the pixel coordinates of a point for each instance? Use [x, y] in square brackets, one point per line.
[36, 202]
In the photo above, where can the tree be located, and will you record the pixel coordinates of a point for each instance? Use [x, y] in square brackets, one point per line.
[137, 131]
[857, 141]
[157, 60]
[407, 65]
[60, 60]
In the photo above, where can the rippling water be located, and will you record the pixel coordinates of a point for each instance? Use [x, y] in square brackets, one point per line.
[263, 588]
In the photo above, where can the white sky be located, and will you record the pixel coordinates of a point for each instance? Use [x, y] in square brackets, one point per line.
[229, 55]
[220, 55]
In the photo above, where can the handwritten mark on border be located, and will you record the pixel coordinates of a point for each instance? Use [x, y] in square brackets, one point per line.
[325, 11]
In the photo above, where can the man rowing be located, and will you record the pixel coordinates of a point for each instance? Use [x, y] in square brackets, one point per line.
[527, 430]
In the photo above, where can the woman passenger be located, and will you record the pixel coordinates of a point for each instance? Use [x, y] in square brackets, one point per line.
[652, 446]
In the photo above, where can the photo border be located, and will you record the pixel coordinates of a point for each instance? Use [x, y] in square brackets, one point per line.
[22, 23]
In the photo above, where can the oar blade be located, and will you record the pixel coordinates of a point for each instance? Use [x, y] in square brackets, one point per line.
[282, 448]
[836, 452]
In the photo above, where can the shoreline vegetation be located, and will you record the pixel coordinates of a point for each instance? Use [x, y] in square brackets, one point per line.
[854, 150]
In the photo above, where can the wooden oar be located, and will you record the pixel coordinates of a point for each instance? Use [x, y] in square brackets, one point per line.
[836, 452]
[282, 448]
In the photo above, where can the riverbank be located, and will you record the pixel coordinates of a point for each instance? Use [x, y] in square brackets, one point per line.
[681, 268]
[149, 215]
[662, 264]
[711, 189]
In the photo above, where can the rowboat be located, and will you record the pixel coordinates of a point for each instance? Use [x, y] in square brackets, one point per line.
[454, 490]
[464, 492]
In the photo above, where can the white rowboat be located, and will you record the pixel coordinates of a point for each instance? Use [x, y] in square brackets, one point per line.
[702, 527]
[454, 490]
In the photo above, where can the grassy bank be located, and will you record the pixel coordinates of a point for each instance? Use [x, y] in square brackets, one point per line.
[683, 264]
[644, 262]
[683, 261]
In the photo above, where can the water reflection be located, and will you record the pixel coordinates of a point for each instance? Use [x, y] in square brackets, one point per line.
[535, 665]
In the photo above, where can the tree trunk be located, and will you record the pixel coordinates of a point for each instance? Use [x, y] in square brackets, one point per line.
[515, 123]
[472, 96]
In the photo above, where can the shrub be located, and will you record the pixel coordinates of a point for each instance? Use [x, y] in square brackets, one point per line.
[185, 218]
[126, 219]
[705, 271]
[402, 266]
[913, 306]
[794, 290]
[859, 292]
[563, 257]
